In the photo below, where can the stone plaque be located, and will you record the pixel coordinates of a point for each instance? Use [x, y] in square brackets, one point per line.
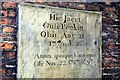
[58, 42]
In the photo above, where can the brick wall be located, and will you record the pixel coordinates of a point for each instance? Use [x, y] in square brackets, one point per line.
[110, 35]
[8, 34]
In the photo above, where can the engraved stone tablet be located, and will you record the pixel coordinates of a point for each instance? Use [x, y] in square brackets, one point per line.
[58, 42]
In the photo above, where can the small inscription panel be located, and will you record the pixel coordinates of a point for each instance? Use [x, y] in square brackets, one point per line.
[58, 42]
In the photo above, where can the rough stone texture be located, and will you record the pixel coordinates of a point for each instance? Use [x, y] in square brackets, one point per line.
[86, 57]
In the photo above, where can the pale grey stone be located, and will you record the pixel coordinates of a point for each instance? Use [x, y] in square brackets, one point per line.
[86, 57]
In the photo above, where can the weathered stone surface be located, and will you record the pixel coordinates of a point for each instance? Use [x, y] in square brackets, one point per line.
[58, 42]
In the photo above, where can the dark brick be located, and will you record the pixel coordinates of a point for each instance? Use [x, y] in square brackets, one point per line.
[13, 38]
[4, 13]
[93, 8]
[63, 4]
[52, 3]
[11, 13]
[10, 55]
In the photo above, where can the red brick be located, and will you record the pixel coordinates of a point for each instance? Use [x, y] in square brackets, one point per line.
[6, 46]
[2, 71]
[112, 46]
[8, 29]
[51, 3]
[9, 5]
[81, 6]
[5, 21]
[106, 58]
[110, 65]
[110, 9]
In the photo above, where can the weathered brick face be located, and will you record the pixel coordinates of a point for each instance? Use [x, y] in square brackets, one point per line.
[110, 35]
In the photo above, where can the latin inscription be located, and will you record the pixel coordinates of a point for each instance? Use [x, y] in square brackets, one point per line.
[58, 43]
